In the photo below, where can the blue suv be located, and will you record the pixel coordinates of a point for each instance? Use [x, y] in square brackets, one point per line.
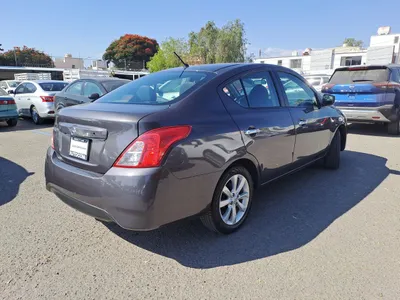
[368, 94]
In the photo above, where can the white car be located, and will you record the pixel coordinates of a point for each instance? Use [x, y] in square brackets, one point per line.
[317, 81]
[9, 85]
[36, 98]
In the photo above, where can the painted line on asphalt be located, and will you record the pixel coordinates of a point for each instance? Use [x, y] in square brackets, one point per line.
[42, 132]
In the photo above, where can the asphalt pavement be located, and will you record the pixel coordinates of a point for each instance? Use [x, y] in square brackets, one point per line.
[317, 234]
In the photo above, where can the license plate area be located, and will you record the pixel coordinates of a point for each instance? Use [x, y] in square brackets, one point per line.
[79, 148]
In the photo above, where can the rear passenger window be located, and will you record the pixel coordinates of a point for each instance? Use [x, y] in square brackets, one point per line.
[260, 90]
[30, 88]
[235, 91]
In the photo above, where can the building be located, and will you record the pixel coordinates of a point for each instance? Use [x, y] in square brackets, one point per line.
[69, 62]
[383, 49]
[99, 65]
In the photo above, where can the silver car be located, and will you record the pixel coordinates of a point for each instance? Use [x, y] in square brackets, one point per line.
[317, 81]
[36, 98]
[9, 85]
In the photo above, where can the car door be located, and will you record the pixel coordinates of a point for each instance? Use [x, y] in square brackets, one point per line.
[91, 88]
[312, 122]
[21, 101]
[73, 94]
[266, 125]
[30, 98]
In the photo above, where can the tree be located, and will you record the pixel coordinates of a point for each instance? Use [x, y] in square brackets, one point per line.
[130, 50]
[219, 45]
[26, 57]
[352, 42]
[165, 57]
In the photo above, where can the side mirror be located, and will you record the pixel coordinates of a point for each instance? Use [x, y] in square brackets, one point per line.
[11, 91]
[328, 100]
[94, 96]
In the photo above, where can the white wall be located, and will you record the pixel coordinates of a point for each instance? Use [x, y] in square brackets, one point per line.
[68, 63]
[338, 57]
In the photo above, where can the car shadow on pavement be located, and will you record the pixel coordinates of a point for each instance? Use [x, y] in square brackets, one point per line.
[369, 129]
[11, 177]
[285, 216]
[26, 124]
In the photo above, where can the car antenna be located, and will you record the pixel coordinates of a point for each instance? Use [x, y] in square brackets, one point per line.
[185, 64]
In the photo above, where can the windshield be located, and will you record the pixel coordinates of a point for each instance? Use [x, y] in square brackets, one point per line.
[13, 83]
[113, 84]
[157, 88]
[3, 93]
[53, 86]
[360, 76]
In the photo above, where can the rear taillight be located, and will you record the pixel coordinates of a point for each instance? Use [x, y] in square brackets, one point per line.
[47, 98]
[386, 85]
[6, 102]
[327, 86]
[148, 149]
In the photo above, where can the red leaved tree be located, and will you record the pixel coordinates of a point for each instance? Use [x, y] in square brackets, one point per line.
[131, 51]
[26, 56]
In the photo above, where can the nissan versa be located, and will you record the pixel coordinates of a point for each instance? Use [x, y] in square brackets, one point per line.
[190, 141]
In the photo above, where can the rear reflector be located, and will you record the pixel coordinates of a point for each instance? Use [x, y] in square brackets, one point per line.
[6, 102]
[376, 118]
[47, 98]
[148, 149]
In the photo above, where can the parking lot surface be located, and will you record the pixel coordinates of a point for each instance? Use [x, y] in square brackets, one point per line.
[317, 234]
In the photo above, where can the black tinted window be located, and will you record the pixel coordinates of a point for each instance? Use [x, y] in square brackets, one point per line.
[235, 91]
[156, 88]
[359, 75]
[30, 88]
[53, 86]
[112, 85]
[260, 90]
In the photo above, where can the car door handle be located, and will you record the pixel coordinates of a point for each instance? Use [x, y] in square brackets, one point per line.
[252, 131]
[302, 122]
[28, 98]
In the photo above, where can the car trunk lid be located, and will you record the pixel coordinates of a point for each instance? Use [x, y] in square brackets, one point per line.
[359, 86]
[92, 136]
[7, 103]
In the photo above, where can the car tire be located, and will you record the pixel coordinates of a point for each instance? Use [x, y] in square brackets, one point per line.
[332, 158]
[394, 127]
[35, 116]
[220, 216]
[12, 122]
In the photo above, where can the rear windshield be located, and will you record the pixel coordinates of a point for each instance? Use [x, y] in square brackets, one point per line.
[113, 84]
[53, 86]
[158, 88]
[3, 93]
[359, 76]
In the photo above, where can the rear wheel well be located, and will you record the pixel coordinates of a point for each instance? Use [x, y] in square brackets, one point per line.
[343, 137]
[30, 109]
[250, 166]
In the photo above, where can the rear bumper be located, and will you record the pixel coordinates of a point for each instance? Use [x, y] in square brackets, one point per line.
[6, 115]
[384, 114]
[135, 199]
[46, 110]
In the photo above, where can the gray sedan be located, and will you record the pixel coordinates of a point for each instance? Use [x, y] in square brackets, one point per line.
[193, 141]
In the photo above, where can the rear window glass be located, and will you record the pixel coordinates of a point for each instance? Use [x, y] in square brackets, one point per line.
[3, 93]
[112, 85]
[359, 76]
[53, 86]
[158, 88]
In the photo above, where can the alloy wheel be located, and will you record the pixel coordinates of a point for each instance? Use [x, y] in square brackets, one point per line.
[234, 199]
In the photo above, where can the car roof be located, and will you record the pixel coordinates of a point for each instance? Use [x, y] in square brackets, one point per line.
[43, 81]
[104, 79]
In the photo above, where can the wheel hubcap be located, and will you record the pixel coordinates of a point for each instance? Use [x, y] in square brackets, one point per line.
[234, 199]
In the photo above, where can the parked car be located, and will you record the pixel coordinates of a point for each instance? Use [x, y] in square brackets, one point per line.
[87, 90]
[8, 109]
[317, 81]
[141, 160]
[36, 98]
[9, 85]
[368, 94]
